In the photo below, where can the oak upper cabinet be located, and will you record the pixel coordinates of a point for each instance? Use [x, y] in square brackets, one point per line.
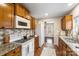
[6, 16]
[33, 23]
[66, 22]
[21, 10]
[1, 16]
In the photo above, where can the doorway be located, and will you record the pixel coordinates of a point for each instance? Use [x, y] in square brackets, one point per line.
[49, 34]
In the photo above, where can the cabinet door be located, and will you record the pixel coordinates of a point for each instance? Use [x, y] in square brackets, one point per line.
[21, 10]
[36, 43]
[64, 23]
[60, 47]
[8, 16]
[1, 16]
[17, 9]
[68, 22]
[33, 23]
[64, 48]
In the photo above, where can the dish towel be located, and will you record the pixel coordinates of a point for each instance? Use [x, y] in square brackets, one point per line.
[47, 51]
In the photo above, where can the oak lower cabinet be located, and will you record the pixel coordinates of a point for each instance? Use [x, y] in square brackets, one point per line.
[65, 50]
[36, 44]
[15, 52]
[62, 48]
[70, 52]
[20, 10]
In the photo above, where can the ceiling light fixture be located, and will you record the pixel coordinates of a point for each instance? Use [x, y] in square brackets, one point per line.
[46, 14]
[2, 4]
[70, 4]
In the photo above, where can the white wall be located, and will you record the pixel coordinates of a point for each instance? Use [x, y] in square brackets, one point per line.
[57, 27]
[75, 13]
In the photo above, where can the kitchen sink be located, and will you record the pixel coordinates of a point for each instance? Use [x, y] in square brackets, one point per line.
[71, 40]
[76, 45]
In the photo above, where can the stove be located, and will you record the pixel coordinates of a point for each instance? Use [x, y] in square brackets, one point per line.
[27, 46]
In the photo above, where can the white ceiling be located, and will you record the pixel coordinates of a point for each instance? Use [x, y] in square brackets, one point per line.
[38, 10]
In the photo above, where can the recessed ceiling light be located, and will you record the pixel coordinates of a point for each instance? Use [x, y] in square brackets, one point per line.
[69, 4]
[46, 14]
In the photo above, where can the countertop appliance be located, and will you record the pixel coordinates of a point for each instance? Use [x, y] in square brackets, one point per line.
[22, 22]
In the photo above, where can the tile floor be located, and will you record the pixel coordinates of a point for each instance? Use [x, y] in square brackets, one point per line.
[47, 50]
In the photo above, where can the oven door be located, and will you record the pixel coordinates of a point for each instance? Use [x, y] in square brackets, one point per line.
[25, 50]
[22, 23]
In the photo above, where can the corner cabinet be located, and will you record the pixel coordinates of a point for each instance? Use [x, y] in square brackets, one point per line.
[66, 22]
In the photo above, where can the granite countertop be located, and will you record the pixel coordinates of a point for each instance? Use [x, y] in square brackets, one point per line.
[5, 48]
[71, 45]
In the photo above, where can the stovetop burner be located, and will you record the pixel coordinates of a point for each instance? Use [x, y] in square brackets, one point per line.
[22, 40]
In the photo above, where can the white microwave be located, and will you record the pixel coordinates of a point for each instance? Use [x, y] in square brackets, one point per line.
[22, 22]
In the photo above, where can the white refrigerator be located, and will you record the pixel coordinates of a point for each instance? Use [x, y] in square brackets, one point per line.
[40, 32]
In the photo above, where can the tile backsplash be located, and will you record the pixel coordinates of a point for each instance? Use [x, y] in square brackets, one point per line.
[15, 34]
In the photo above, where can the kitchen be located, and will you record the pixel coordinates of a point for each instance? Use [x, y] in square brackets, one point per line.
[39, 29]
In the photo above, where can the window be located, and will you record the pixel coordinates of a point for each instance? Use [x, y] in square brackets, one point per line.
[77, 25]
